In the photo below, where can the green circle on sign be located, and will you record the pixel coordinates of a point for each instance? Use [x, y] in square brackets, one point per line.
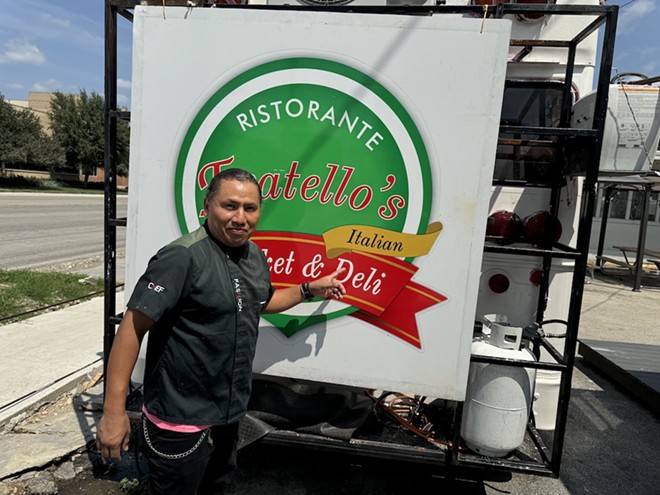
[324, 153]
[312, 148]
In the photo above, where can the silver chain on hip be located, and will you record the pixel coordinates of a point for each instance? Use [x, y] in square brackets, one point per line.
[172, 456]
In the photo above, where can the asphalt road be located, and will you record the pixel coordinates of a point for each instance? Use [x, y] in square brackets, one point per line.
[41, 229]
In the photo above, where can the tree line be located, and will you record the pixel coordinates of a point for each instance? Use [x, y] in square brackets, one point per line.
[74, 144]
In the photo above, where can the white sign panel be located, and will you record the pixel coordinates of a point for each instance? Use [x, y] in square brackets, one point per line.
[373, 138]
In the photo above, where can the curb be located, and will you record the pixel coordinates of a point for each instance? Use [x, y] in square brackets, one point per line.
[48, 393]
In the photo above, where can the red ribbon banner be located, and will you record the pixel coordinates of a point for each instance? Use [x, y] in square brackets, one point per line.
[379, 286]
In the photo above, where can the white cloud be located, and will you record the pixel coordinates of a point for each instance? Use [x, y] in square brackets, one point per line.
[123, 84]
[56, 21]
[47, 86]
[14, 86]
[122, 100]
[634, 13]
[21, 51]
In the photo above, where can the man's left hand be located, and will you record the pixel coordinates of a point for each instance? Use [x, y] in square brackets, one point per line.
[329, 287]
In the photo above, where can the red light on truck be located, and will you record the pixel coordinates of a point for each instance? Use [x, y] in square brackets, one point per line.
[498, 283]
[541, 226]
[505, 225]
[535, 277]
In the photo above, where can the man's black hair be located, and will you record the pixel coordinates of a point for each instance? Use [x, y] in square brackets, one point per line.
[231, 174]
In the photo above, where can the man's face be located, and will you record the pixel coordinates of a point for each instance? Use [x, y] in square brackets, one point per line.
[233, 212]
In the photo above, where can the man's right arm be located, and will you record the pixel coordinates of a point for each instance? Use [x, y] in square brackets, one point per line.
[114, 428]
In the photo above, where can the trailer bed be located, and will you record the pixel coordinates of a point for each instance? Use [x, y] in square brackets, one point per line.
[635, 367]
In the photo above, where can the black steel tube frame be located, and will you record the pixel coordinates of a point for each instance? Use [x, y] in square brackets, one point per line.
[435, 458]
[530, 251]
[606, 15]
[608, 191]
[548, 131]
[110, 184]
[583, 234]
[498, 10]
[641, 238]
[519, 363]
[564, 122]
[648, 80]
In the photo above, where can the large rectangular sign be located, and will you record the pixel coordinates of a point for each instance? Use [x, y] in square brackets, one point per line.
[373, 138]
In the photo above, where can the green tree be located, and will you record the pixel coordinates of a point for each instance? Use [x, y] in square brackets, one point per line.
[77, 125]
[77, 122]
[47, 152]
[123, 147]
[23, 141]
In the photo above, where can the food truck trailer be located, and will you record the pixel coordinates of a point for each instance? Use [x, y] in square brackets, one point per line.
[428, 149]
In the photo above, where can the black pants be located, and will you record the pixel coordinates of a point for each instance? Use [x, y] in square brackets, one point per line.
[207, 470]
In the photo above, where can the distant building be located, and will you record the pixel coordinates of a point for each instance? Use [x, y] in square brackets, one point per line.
[38, 103]
[623, 223]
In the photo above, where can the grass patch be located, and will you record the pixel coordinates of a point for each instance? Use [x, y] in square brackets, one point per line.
[19, 183]
[26, 290]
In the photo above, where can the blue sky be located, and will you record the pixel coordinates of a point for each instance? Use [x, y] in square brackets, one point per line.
[48, 45]
[637, 45]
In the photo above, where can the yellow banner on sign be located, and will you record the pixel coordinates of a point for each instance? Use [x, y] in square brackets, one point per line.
[375, 240]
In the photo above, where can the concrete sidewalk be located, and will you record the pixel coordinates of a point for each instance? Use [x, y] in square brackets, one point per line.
[610, 444]
[47, 354]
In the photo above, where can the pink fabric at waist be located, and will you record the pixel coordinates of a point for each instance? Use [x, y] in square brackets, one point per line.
[166, 425]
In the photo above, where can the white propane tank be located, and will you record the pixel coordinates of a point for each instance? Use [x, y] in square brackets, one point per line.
[498, 398]
[546, 397]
